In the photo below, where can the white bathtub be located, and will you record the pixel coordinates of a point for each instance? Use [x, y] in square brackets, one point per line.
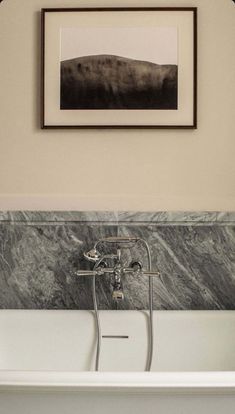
[46, 358]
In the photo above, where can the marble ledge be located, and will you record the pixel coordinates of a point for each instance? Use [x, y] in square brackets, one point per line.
[58, 216]
[120, 217]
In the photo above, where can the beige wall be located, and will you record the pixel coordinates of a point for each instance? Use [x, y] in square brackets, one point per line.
[133, 169]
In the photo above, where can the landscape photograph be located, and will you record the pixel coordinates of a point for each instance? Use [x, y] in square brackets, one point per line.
[118, 68]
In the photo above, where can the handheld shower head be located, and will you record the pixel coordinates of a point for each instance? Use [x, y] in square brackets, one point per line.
[119, 239]
[93, 255]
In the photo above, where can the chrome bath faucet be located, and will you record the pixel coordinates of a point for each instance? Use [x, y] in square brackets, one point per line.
[111, 264]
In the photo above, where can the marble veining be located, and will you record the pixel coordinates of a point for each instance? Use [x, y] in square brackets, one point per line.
[40, 251]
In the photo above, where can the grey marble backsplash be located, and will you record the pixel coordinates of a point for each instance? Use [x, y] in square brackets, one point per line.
[40, 251]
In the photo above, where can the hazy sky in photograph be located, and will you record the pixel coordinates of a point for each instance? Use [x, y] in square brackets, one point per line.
[157, 45]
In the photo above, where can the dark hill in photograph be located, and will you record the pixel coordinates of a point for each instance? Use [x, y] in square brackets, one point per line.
[114, 82]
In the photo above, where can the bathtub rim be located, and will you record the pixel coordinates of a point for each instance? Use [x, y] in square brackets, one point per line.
[158, 382]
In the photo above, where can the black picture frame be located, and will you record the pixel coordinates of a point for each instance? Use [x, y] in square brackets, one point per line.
[185, 115]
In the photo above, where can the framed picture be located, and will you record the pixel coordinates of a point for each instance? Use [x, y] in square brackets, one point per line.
[119, 68]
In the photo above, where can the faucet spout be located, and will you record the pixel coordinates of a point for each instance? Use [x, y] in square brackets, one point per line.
[118, 272]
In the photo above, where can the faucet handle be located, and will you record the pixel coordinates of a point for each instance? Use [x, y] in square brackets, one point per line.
[140, 272]
[85, 273]
[99, 271]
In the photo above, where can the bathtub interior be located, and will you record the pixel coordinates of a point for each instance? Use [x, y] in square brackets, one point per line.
[47, 340]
